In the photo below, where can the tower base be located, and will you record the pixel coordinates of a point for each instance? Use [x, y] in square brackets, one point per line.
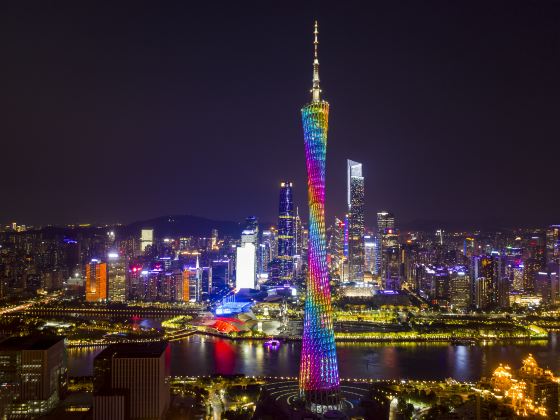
[321, 401]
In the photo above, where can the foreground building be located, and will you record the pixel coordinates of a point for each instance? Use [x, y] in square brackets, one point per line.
[33, 376]
[319, 382]
[129, 382]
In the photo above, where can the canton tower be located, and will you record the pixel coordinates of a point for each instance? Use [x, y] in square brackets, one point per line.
[319, 384]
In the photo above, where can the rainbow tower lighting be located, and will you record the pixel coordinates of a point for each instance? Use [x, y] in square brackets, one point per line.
[319, 383]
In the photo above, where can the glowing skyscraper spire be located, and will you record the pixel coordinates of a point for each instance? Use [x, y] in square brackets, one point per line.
[319, 383]
[316, 90]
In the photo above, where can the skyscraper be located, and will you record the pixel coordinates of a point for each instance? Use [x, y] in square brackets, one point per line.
[385, 220]
[146, 239]
[245, 266]
[250, 236]
[129, 382]
[286, 237]
[553, 244]
[355, 192]
[33, 375]
[96, 281]
[116, 277]
[319, 382]
[370, 251]
[336, 248]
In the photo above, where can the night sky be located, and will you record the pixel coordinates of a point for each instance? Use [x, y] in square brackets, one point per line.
[116, 113]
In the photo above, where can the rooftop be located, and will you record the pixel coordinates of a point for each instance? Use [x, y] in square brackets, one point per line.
[133, 350]
[30, 342]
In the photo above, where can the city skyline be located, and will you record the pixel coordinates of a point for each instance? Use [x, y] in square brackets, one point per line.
[86, 102]
[412, 274]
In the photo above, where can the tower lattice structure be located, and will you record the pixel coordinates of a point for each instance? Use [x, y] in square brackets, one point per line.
[319, 382]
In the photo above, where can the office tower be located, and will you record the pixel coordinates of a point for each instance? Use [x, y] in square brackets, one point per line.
[251, 231]
[488, 267]
[134, 286]
[191, 284]
[409, 258]
[502, 291]
[116, 277]
[459, 288]
[440, 287]
[517, 276]
[355, 195]
[378, 257]
[469, 249]
[268, 249]
[547, 284]
[245, 266]
[250, 235]
[319, 382]
[206, 281]
[385, 220]
[335, 248]
[482, 290]
[214, 239]
[96, 281]
[146, 239]
[129, 382]
[390, 259]
[186, 285]
[286, 232]
[535, 261]
[346, 235]
[370, 246]
[298, 232]
[553, 244]
[33, 375]
[220, 270]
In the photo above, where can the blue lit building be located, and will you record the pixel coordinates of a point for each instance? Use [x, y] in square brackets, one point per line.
[286, 237]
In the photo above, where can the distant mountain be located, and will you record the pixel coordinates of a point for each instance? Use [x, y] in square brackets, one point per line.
[182, 225]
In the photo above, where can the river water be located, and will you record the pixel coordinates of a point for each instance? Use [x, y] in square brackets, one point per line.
[203, 355]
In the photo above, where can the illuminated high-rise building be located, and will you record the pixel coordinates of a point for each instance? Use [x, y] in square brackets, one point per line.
[355, 194]
[116, 277]
[33, 375]
[335, 247]
[319, 382]
[245, 275]
[186, 276]
[250, 235]
[553, 244]
[268, 264]
[459, 288]
[286, 233]
[370, 245]
[298, 233]
[96, 281]
[385, 220]
[220, 270]
[146, 239]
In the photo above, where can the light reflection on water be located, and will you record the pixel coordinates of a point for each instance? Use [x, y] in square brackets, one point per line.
[201, 355]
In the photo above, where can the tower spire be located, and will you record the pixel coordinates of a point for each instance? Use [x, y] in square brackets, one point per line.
[316, 90]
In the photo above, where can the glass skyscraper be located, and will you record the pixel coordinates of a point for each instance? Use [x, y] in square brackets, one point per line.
[355, 191]
[286, 234]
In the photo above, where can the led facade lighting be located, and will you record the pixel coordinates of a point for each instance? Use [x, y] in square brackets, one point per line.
[319, 382]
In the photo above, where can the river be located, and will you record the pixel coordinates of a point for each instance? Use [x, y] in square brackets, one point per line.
[203, 355]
